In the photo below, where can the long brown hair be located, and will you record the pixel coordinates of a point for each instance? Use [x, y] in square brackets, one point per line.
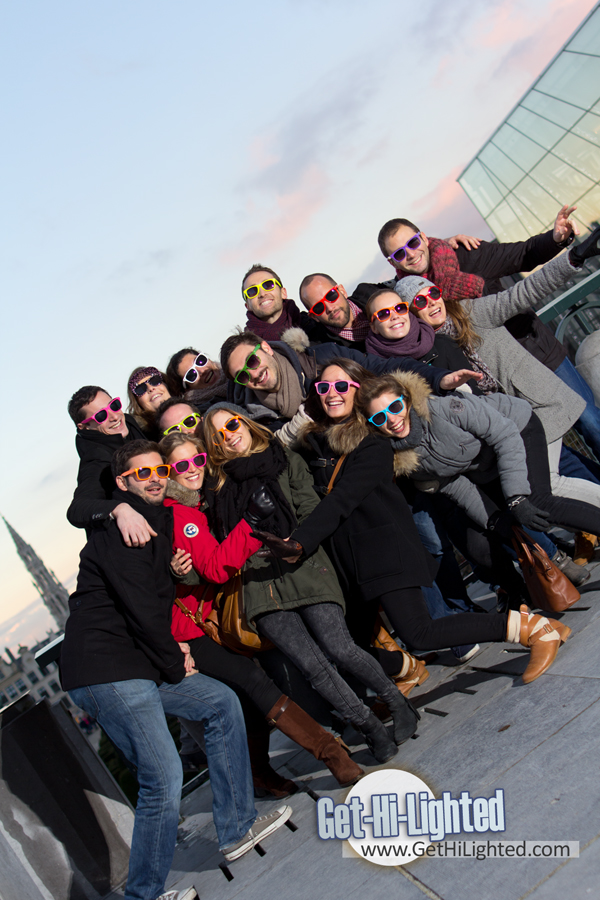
[313, 406]
[467, 337]
[217, 457]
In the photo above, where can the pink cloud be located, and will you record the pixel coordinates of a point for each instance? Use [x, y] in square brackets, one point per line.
[446, 210]
[290, 214]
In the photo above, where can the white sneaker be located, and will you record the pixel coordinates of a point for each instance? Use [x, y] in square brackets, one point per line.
[471, 653]
[262, 828]
[188, 894]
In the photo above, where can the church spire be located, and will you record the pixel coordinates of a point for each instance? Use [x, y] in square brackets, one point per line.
[52, 592]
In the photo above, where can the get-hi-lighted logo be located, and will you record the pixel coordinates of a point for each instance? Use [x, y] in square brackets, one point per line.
[390, 816]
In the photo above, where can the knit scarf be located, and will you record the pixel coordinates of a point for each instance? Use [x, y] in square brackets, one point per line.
[414, 436]
[244, 476]
[488, 384]
[289, 318]
[417, 343]
[444, 272]
[287, 398]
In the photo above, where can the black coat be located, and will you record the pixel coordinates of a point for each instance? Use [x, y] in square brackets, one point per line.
[119, 627]
[365, 521]
[92, 501]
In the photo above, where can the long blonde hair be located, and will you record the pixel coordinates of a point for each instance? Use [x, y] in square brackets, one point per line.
[217, 455]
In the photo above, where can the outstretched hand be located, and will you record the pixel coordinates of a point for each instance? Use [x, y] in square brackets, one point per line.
[277, 548]
[457, 379]
[469, 242]
[564, 226]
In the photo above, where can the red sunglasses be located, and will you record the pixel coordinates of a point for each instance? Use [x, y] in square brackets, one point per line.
[422, 300]
[318, 308]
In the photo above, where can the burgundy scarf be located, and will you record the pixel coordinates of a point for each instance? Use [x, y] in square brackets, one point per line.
[289, 318]
[417, 343]
[445, 273]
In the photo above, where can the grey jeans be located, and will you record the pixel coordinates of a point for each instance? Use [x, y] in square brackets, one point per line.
[304, 633]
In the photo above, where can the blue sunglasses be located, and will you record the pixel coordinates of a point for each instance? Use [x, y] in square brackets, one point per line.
[395, 407]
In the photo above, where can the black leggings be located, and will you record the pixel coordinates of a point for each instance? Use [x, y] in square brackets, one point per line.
[407, 611]
[239, 672]
[561, 510]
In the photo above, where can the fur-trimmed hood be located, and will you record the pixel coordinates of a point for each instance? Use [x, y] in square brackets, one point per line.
[416, 393]
[181, 494]
[297, 339]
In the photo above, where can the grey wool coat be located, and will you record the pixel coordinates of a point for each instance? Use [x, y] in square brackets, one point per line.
[466, 441]
[517, 371]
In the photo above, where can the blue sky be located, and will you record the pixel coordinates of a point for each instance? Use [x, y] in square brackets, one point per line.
[152, 152]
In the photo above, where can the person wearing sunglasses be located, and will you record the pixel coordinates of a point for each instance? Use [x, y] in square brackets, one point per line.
[102, 429]
[262, 700]
[189, 370]
[146, 390]
[270, 312]
[299, 607]
[367, 525]
[327, 302]
[177, 415]
[121, 664]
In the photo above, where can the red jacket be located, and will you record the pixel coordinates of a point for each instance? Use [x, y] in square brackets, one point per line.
[212, 561]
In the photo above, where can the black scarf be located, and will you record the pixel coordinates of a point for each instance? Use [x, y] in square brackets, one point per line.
[414, 436]
[244, 476]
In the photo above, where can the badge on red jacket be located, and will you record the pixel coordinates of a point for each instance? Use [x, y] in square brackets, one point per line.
[190, 530]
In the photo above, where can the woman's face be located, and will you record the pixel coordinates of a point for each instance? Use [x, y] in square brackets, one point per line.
[207, 374]
[194, 476]
[336, 405]
[397, 325]
[397, 426]
[153, 396]
[434, 313]
[235, 442]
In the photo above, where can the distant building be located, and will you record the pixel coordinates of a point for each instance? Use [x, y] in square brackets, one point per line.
[547, 150]
[21, 675]
[52, 592]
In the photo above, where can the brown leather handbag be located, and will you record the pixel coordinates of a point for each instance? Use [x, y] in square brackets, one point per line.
[549, 588]
[226, 623]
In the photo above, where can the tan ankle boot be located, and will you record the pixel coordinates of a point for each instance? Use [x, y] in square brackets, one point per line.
[543, 637]
[416, 674]
[584, 547]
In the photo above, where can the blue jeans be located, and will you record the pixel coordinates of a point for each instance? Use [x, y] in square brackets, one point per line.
[447, 594]
[588, 423]
[132, 713]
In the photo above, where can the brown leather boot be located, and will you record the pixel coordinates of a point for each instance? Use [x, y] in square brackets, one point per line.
[289, 718]
[266, 780]
[417, 674]
[543, 652]
[584, 547]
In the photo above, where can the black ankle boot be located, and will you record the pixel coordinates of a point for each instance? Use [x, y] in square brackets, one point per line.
[405, 718]
[378, 740]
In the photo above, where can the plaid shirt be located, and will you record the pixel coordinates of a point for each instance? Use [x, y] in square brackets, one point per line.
[357, 330]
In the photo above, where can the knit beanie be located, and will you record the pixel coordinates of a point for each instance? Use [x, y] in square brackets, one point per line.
[409, 286]
[230, 407]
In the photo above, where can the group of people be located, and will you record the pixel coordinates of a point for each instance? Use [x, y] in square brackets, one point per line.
[329, 463]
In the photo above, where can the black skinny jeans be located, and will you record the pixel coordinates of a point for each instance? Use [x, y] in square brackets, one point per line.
[304, 633]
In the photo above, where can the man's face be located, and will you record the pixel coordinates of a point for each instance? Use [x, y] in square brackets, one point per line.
[337, 314]
[207, 375]
[416, 262]
[113, 424]
[175, 415]
[266, 375]
[265, 305]
[152, 491]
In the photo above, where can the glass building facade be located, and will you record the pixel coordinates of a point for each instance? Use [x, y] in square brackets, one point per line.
[547, 150]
